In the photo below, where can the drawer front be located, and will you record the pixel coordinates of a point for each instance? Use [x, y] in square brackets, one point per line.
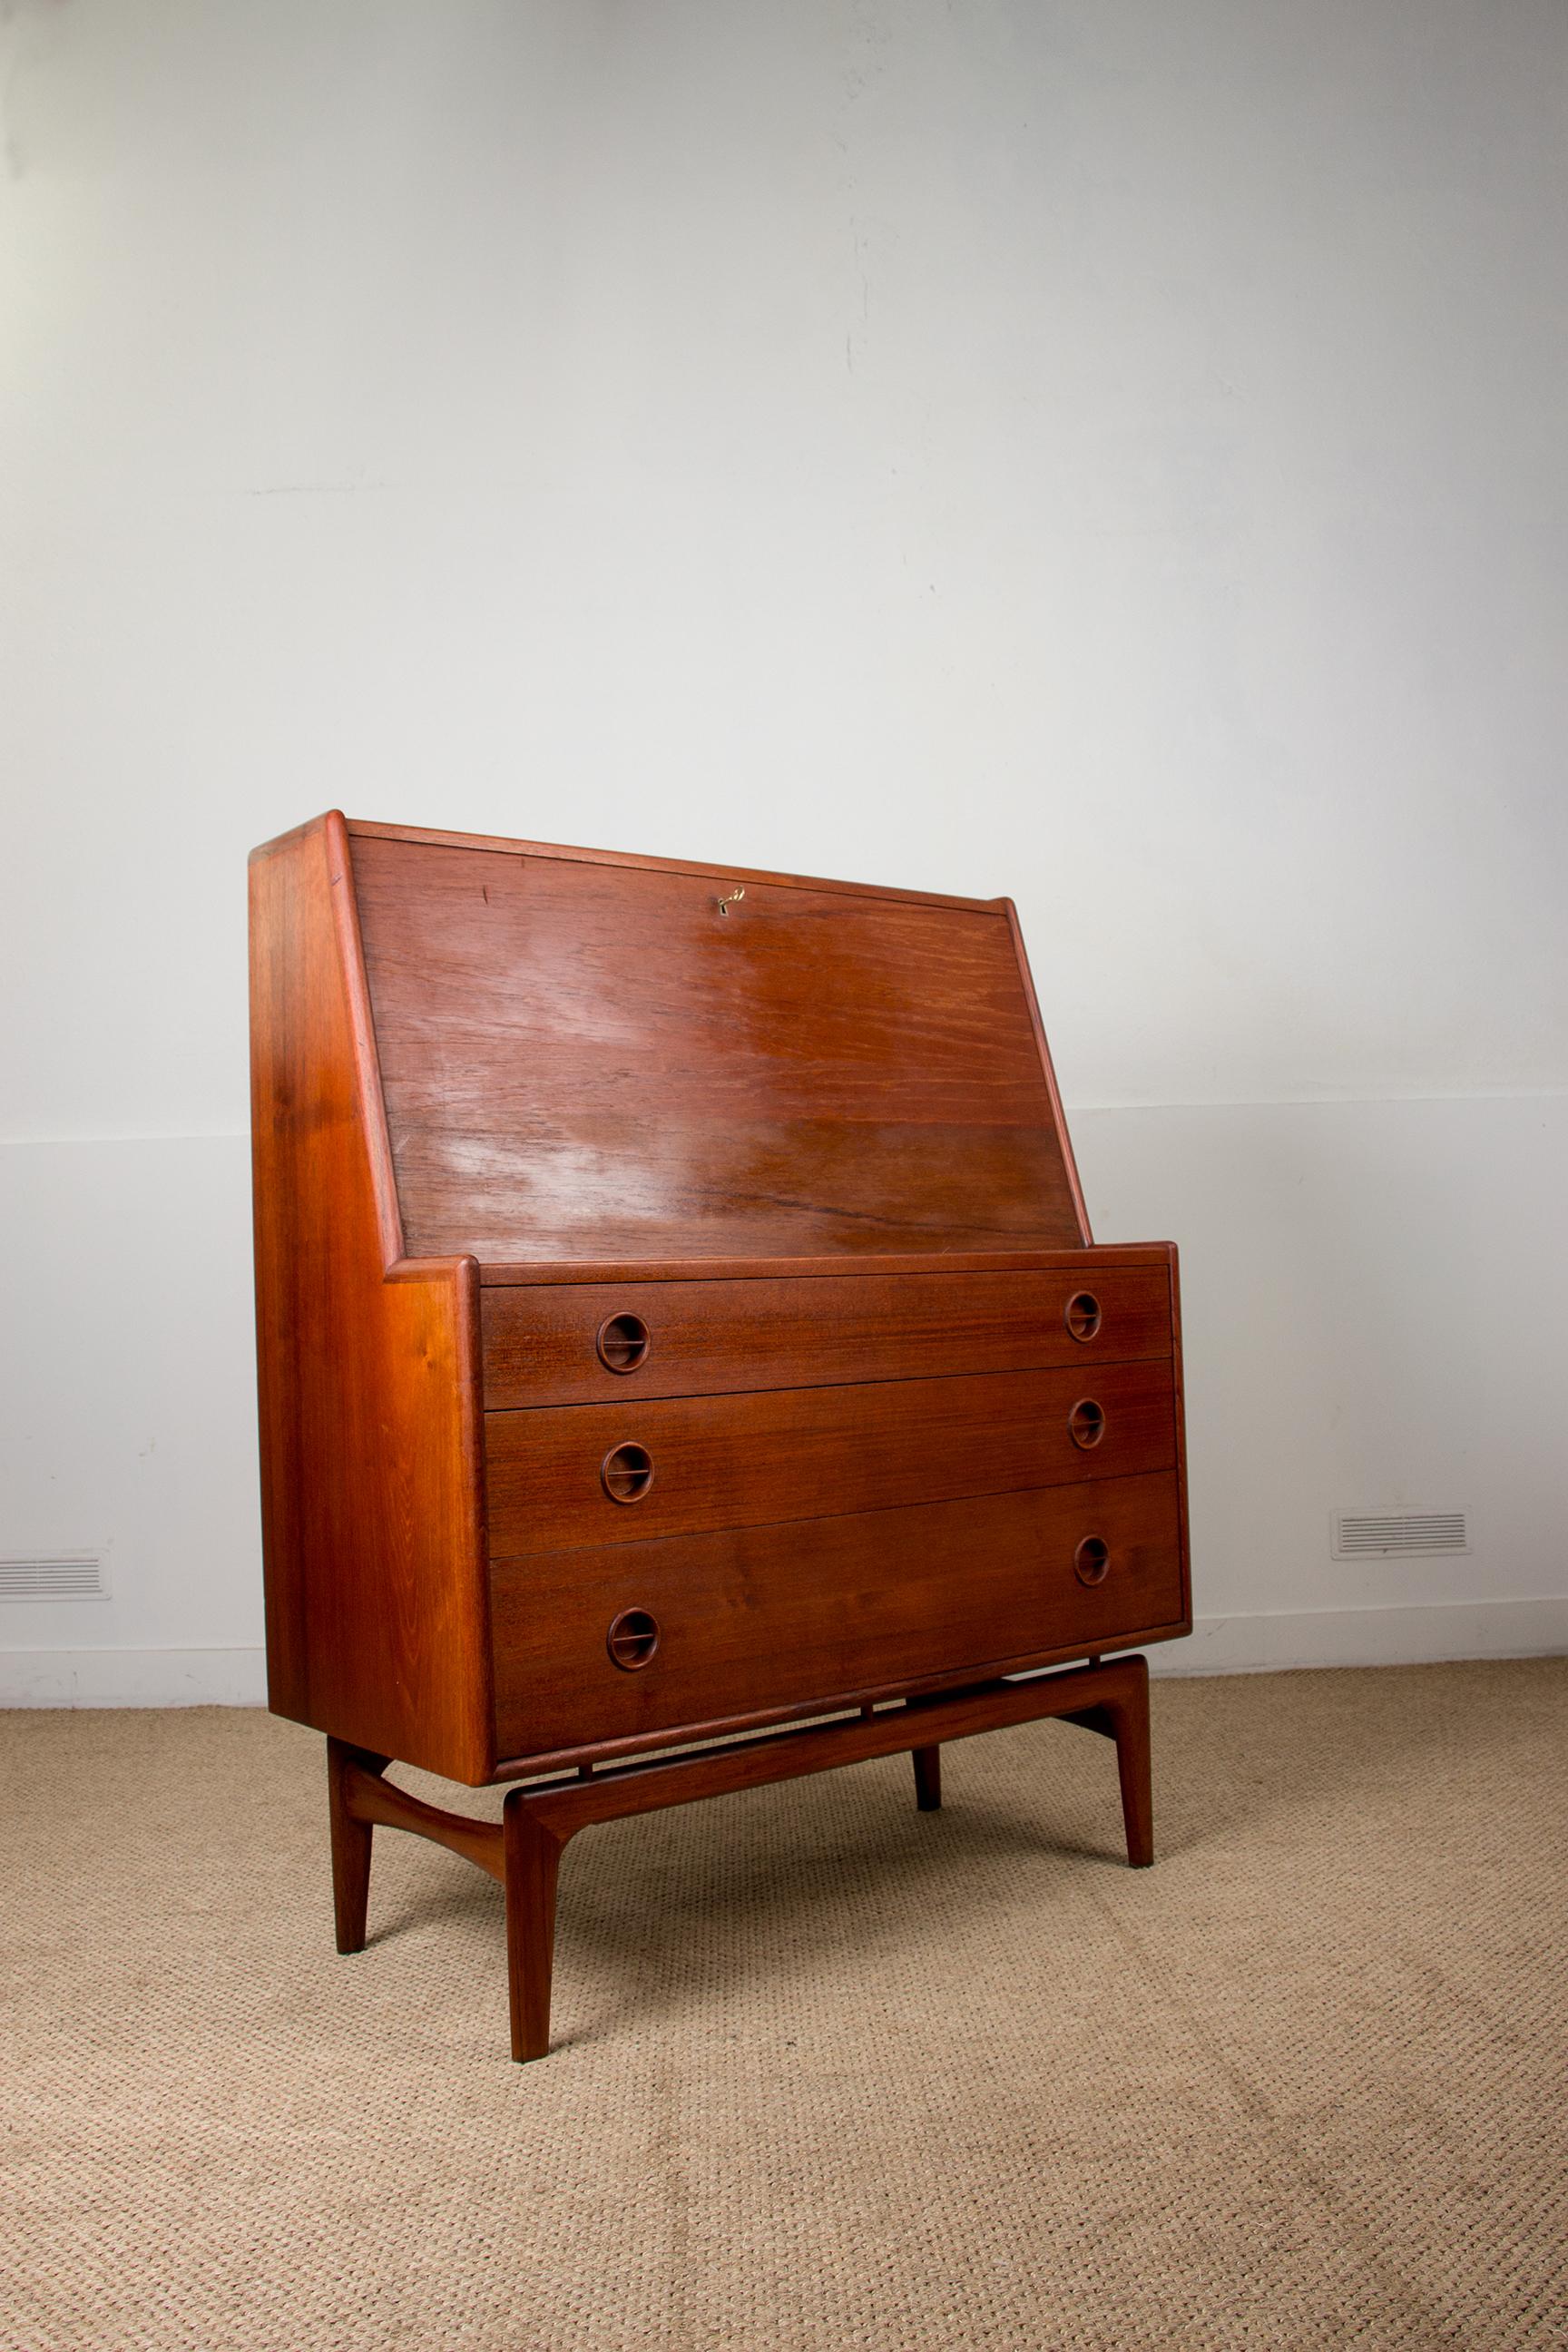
[678, 1465]
[543, 1344]
[777, 1617]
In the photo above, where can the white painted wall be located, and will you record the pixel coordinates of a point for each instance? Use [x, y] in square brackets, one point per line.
[1375, 1303]
[1107, 450]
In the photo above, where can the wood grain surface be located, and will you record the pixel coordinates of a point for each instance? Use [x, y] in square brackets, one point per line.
[709, 1338]
[373, 1508]
[592, 1060]
[780, 1616]
[508, 1273]
[740, 1461]
[722, 877]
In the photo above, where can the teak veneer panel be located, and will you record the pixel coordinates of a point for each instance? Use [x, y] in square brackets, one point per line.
[737, 1461]
[722, 877]
[707, 1337]
[595, 1060]
[511, 1274]
[762, 1618]
[372, 1506]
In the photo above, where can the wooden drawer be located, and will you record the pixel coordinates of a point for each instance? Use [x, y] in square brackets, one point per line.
[542, 1346]
[789, 1453]
[774, 1617]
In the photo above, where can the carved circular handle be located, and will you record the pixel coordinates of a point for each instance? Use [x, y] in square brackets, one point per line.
[627, 1473]
[1083, 1315]
[1091, 1561]
[632, 1639]
[1087, 1422]
[621, 1343]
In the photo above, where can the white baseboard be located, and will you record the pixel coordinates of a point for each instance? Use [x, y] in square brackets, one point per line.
[126, 1677]
[1267, 1641]
[1260, 1642]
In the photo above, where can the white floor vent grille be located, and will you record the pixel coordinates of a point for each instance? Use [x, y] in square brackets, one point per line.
[79, 1576]
[1390, 1535]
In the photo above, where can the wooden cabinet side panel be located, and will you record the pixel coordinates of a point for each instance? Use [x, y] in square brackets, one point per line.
[377, 1617]
[1048, 1068]
[1180, 1407]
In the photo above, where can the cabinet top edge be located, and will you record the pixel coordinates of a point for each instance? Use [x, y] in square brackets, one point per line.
[524, 1273]
[367, 828]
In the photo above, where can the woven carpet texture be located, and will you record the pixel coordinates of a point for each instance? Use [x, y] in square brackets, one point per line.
[828, 2072]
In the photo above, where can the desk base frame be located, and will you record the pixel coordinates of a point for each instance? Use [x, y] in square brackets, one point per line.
[524, 1850]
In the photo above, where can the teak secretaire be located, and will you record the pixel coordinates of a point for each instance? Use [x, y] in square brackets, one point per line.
[678, 1320]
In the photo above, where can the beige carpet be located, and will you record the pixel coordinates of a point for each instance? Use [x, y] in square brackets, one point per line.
[829, 2073]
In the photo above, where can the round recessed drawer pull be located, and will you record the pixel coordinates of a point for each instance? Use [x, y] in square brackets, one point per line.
[1083, 1315]
[1086, 1423]
[1091, 1561]
[621, 1343]
[627, 1473]
[632, 1639]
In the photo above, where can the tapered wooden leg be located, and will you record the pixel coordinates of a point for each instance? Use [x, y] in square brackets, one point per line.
[1130, 1721]
[351, 1843]
[532, 1853]
[928, 1779]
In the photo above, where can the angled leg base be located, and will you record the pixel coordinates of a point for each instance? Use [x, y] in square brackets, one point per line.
[524, 1850]
[351, 1840]
[533, 1850]
[1124, 1718]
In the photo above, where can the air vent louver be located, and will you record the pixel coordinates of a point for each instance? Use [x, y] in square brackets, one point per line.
[1388, 1535]
[79, 1576]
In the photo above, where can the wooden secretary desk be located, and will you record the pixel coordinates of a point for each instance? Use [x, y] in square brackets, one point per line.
[678, 1329]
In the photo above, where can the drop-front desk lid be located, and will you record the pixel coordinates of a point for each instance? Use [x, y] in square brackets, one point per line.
[590, 1058]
